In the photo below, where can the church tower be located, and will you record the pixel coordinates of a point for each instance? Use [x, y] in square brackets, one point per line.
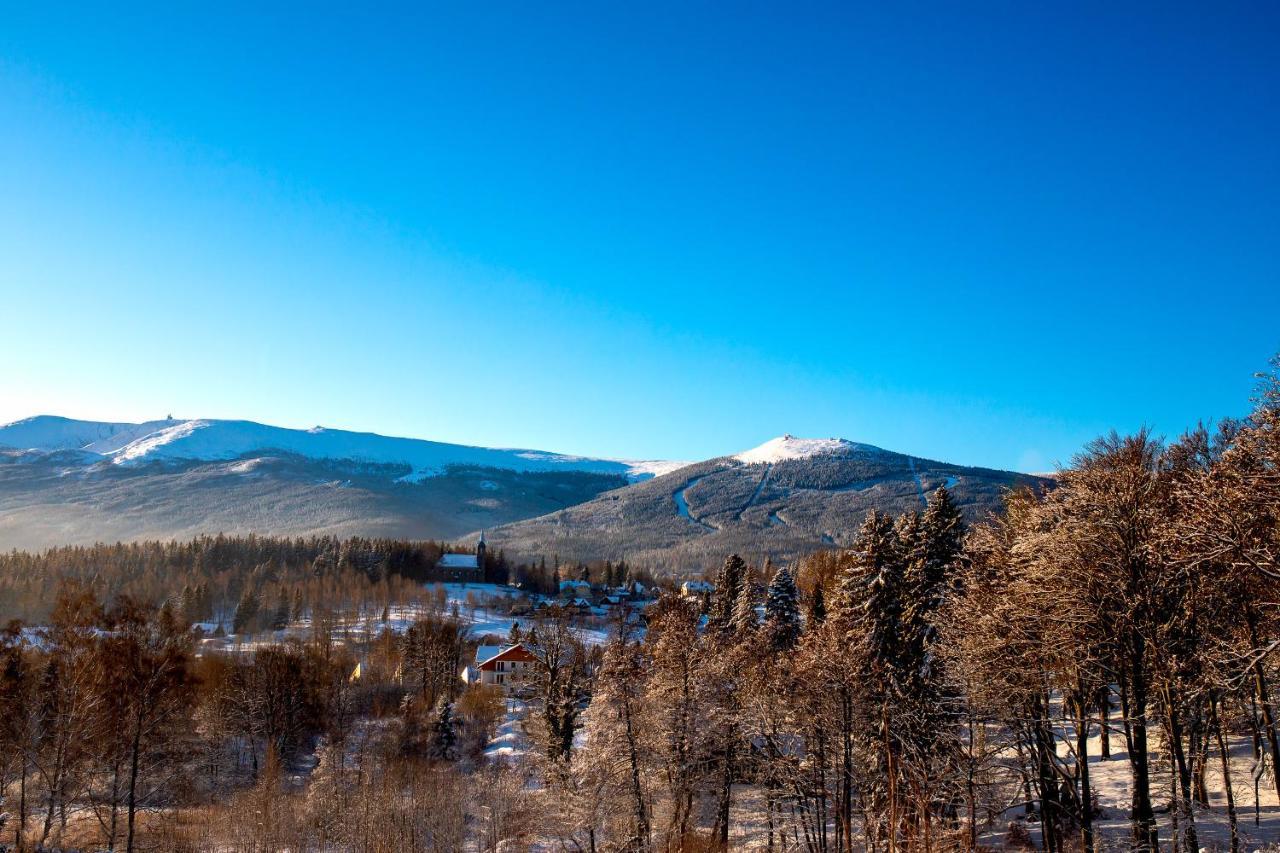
[480, 548]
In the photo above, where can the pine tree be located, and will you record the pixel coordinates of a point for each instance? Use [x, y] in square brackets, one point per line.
[870, 611]
[728, 585]
[514, 636]
[782, 610]
[280, 618]
[443, 743]
[246, 611]
[744, 619]
[817, 608]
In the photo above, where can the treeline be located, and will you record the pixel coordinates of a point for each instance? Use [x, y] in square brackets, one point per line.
[210, 574]
[210, 578]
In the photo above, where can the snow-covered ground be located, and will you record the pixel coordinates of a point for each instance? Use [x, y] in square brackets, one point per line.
[1111, 783]
[510, 742]
[200, 439]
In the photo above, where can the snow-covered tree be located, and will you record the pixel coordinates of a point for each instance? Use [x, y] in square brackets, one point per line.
[745, 619]
[782, 609]
[727, 586]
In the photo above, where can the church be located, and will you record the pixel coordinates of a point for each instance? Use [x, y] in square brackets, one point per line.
[463, 568]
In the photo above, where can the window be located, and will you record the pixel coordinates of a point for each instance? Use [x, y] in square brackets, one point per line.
[500, 679]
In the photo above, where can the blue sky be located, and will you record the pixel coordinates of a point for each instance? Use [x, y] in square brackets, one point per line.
[655, 230]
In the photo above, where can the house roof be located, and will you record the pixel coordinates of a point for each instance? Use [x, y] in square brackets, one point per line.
[458, 561]
[502, 653]
[484, 653]
[571, 584]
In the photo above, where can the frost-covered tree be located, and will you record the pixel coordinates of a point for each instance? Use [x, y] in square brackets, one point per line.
[676, 705]
[744, 619]
[611, 773]
[558, 679]
[724, 597]
[782, 609]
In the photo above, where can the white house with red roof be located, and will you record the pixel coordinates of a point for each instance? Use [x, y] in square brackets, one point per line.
[501, 666]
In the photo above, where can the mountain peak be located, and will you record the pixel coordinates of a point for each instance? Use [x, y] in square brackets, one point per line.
[789, 447]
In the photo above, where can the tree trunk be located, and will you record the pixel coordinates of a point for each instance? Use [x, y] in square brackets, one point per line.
[1182, 798]
[726, 790]
[1264, 699]
[1226, 776]
[1145, 834]
[971, 793]
[1082, 763]
[135, 749]
[846, 775]
[1104, 721]
[637, 792]
[1125, 716]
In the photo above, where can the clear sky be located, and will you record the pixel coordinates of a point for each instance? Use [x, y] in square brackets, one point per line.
[980, 232]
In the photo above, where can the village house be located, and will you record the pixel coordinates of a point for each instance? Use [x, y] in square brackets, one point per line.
[501, 666]
[695, 589]
[572, 588]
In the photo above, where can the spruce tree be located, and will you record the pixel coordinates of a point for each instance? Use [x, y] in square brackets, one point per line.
[246, 611]
[280, 617]
[725, 596]
[817, 607]
[869, 611]
[782, 610]
[873, 591]
[443, 744]
[744, 619]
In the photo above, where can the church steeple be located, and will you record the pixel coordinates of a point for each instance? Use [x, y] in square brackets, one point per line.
[480, 549]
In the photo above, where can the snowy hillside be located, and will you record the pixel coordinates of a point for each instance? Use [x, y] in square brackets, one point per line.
[211, 440]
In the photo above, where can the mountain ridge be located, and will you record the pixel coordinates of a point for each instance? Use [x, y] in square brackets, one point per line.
[218, 439]
[76, 482]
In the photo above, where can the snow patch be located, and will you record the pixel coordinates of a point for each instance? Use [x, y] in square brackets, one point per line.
[245, 466]
[789, 447]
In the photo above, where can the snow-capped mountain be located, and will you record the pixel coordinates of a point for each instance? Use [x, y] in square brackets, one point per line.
[211, 440]
[783, 499]
[789, 447]
[65, 481]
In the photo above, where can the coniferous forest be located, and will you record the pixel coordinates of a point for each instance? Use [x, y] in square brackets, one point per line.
[1093, 668]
